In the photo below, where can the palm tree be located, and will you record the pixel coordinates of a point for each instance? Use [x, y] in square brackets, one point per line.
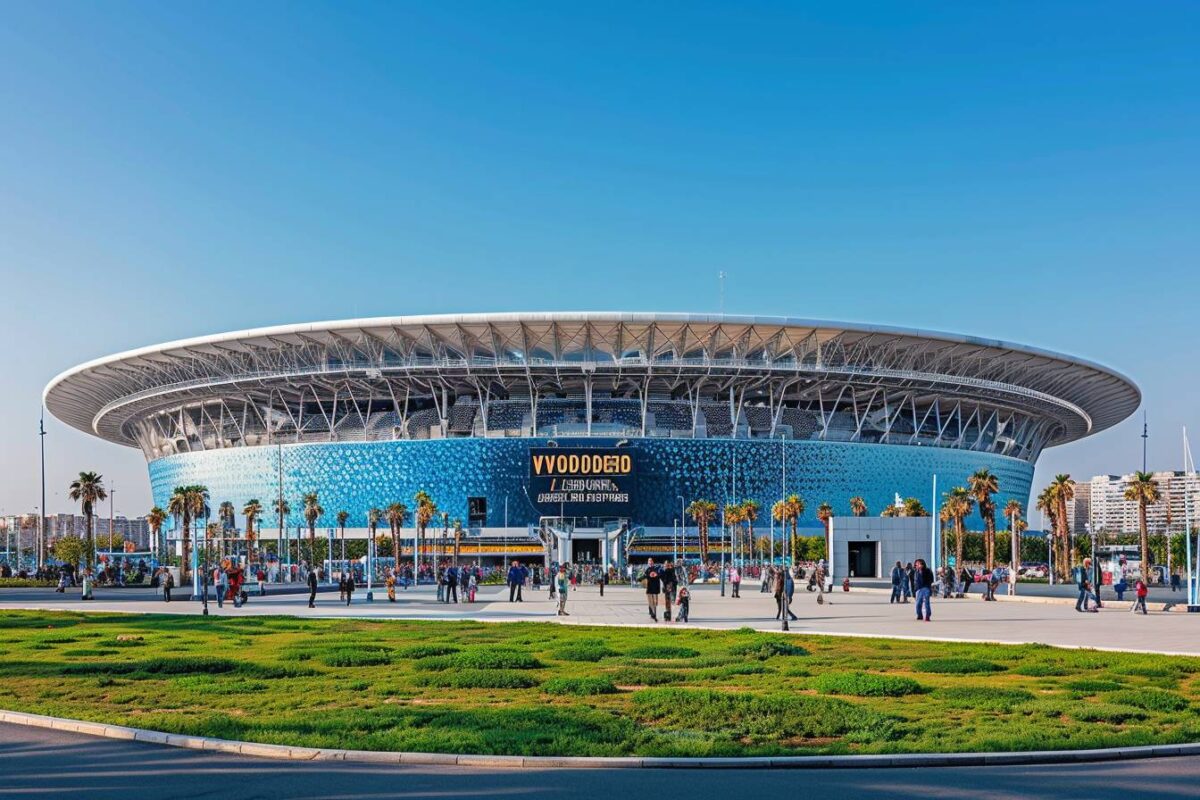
[825, 514]
[750, 509]
[858, 506]
[733, 521]
[912, 507]
[957, 505]
[155, 519]
[189, 503]
[87, 490]
[396, 514]
[283, 511]
[1013, 511]
[312, 512]
[373, 517]
[1047, 503]
[788, 512]
[702, 513]
[342, 517]
[891, 510]
[982, 485]
[1064, 490]
[251, 511]
[228, 517]
[1143, 489]
[426, 511]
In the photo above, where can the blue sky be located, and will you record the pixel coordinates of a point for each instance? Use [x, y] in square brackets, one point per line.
[1026, 171]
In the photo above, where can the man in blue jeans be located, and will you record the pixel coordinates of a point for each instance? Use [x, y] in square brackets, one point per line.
[897, 579]
[923, 582]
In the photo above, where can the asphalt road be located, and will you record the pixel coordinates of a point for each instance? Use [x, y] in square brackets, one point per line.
[35, 762]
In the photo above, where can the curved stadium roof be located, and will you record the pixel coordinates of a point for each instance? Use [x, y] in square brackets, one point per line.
[542, 350]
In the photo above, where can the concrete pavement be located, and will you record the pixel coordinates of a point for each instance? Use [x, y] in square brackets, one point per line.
[857, 613]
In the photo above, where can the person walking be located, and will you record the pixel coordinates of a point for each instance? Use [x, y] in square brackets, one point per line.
[168, 583]
[923, 581]
[684, 600]
[1082, 585]
[564, 583]
[908, 590]
[789, 589]
[514, 582]
[472, 586]
[390, 583]
[897, 580]
[1141, 590]
[261, 577]
[312, 589]
[221, 585]
[349, 587]
[670, 583]
[652, 578]
[735, 579]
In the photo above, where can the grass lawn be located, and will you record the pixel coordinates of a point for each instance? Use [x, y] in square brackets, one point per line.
[541, 689]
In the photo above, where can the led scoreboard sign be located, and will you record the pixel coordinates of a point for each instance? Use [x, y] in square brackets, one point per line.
[581, 482]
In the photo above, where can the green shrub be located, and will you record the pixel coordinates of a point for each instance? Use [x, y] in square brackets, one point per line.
[582, 651]
[426, 650]
[479, 658]
[645, 676]
[357, 657]
[983, 698]
[866, 684]
[579, 686]
[662, 652]
[480, 679]
[763, 648]
[1149, 699]
[952, 665]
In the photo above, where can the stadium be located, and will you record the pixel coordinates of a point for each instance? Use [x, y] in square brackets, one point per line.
[604, 426]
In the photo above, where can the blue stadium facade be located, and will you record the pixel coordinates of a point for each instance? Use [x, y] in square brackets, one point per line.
[361, 475]
[368, 412]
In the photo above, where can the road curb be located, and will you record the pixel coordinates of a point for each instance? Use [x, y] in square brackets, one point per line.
[288, 753]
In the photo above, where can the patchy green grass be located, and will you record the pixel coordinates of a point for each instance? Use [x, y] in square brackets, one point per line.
[535, 688]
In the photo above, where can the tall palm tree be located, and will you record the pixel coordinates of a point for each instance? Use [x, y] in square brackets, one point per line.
[912, 507]
[890, 510]
[1143, 490]
[1064, 490]
[825, 515]
[87, 490]
[396, 514]
[155, 520]
[312, 512]
[342, 517]
[228, 517]
[251, 511]
[957, 505]
[1047, 503]
[282, 510]
[374, 515]
[189, 503]
[788, 512]
[858, 506]
[982, 485]
[426, 511]
[702, 513]
[750, 511]
[1013, 511]
[733, 521]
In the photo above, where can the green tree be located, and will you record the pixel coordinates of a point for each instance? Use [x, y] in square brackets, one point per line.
[155, 520]
[426, 510]
[1143, 490]
[312, 512]
[858, 506]
[251, 511]
[956, 504]
[87, 490]
[189, 503]
[702, 512]
[69, 549]
[396, 514]
[983, 485]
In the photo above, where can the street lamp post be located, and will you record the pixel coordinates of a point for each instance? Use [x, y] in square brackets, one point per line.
[41, 543]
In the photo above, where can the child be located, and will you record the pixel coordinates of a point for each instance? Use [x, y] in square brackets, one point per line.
[391, 586]
[472, 583]
[683, 599]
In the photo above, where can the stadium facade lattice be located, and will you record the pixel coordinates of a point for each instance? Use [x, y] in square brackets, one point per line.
[509, 418]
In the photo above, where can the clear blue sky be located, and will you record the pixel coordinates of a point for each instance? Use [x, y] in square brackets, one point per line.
[1026, 171]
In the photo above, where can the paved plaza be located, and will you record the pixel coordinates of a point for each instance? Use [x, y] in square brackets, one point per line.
[860, 612]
